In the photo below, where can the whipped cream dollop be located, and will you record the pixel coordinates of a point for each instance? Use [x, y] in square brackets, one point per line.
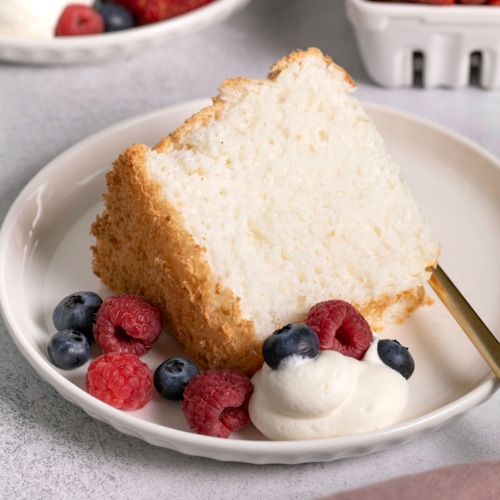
[330, 395]
[32, 18]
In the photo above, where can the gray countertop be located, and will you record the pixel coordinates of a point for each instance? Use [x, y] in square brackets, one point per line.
[51, 448]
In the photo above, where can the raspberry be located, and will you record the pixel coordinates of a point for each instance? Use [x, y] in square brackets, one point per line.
[77, 20]
[121, 380]
[126, 323]
[152, 11]
[340, 327]
[216, 402]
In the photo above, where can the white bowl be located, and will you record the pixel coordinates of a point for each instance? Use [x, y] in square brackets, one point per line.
[97, 48]
[445, 43]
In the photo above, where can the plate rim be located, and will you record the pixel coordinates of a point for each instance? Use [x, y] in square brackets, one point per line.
[251, 451]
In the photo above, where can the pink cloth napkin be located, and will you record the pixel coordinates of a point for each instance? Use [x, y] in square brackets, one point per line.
[470, 481]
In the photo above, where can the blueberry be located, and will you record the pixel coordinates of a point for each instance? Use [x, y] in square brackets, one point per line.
[172, 376]
[69, 349]
[396, 356]
[296, 339]
[116, 17]
[77, 312]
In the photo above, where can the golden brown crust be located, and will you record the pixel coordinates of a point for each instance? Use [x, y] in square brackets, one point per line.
[298, 55]
[201, 119]
[163, 264]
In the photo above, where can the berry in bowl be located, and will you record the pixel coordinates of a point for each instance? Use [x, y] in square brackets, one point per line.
[84, 31]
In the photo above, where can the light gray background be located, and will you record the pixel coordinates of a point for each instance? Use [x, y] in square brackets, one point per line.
[52, 449]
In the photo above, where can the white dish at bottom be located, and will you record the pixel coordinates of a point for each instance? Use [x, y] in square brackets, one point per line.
[45, 255]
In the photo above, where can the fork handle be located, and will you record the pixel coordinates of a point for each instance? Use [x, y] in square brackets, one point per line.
[479, 334]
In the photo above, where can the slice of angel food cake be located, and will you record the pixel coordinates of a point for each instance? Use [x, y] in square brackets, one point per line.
[279, 195]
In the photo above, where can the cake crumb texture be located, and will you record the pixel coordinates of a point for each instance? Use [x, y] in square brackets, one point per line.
[279, 195]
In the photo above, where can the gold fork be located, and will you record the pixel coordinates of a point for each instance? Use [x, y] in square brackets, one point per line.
[479, 334]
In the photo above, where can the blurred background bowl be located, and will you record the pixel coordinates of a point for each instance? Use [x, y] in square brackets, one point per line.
[97, 48]
[406, 44]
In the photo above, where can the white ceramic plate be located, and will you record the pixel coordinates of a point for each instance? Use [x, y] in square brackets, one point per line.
[44, 256]
[85, 49]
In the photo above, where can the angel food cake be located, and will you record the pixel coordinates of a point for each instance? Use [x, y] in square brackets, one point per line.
[279, 195]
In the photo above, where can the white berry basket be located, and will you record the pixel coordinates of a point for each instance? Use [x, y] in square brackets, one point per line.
[405, 44]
